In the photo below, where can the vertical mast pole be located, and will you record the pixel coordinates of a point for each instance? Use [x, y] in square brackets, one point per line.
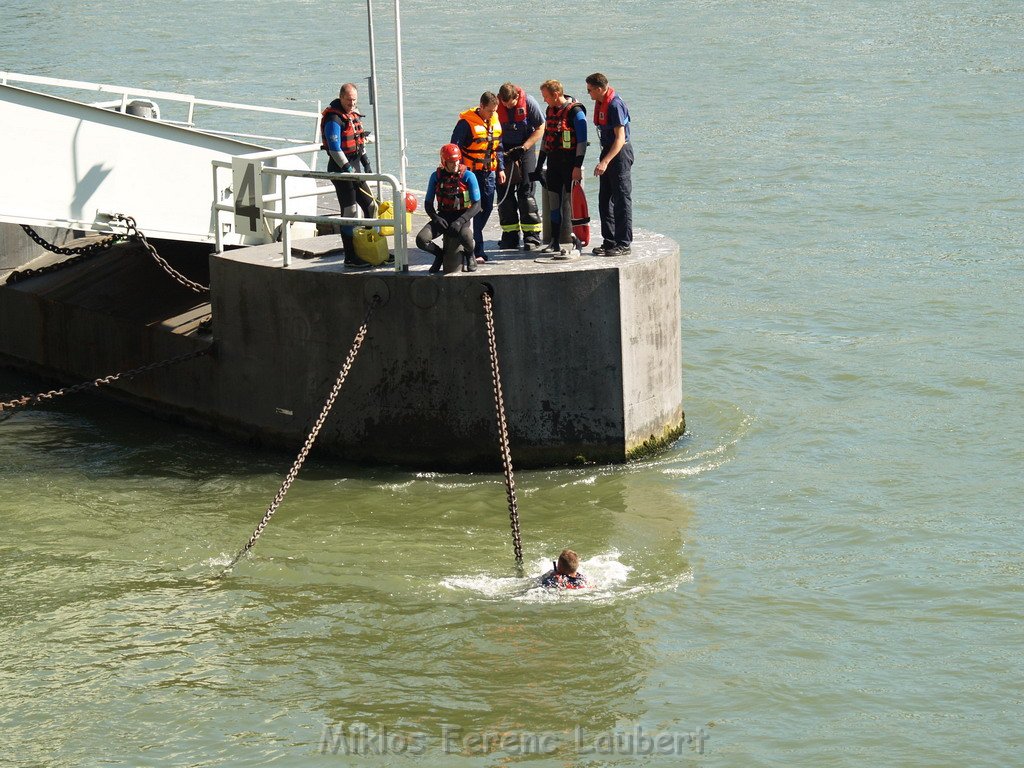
[373, 90]
[401, 107]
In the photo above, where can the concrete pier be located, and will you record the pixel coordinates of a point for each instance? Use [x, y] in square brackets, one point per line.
[589, 349]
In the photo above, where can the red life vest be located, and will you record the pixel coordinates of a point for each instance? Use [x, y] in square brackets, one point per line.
[559, 130]
[518, 113]
[451, 191]
[353, 137]
[601, 109]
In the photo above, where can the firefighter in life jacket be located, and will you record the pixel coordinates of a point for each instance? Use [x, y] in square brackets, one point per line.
[453, 199]
[522, 127]
[564, 146]
[478, 135]
[344, 139]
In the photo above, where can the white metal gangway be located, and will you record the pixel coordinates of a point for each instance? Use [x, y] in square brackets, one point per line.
[69, 164]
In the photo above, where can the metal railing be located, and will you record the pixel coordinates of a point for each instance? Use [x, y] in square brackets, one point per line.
[189, 100]
[397, 203]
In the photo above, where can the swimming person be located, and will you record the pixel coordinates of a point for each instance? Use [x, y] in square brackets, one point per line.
[565, 574]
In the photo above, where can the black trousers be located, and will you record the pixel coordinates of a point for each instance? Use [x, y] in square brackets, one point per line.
[559, 186]
[351, 192]
[518, 207]
[430, 232]
[615, 198]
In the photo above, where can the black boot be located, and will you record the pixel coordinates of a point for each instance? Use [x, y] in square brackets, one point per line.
[438, 254]
[509, 241]
[351, 260]
[469, 260]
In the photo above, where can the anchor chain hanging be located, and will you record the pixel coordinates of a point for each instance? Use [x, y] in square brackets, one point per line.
[357, 342]
[27, 400]
[506, 452]
[80, 253]
[134, 234]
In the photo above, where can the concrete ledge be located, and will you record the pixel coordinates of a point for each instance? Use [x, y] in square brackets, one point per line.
[589, 353]
[589, 350]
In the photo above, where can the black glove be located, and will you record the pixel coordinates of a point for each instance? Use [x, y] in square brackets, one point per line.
[365, 161]
[441, 224]
[516, 153]
[460, 222]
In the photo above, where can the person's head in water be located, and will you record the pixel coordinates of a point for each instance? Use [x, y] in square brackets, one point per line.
[568, 563]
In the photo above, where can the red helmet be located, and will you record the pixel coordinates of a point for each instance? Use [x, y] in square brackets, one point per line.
[450, 152]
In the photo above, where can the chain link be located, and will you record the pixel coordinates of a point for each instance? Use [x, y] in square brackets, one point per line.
[134, 234]
[357, 342]
[506, 452]
[79, 253]
[82, 252]
[27, 400]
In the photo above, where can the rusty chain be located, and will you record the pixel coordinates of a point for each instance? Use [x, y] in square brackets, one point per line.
[133, 233]
[506, 452]
[26, 400]
[80, 253]
[357, 342]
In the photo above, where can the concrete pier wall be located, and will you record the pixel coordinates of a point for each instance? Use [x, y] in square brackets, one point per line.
[589, 351]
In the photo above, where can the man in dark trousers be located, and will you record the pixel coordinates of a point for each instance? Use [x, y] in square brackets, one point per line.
[564, 147]
[344, 139]
[615, 194]
[453, 199]
[522, 126]
[478, 135]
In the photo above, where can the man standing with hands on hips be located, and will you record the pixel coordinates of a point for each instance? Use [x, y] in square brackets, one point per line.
[615, 193]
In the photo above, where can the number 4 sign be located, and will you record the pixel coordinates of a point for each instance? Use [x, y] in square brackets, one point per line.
[248, 184]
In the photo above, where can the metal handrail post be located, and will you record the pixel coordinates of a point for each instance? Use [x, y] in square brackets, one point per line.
[286, 234]
[316, 136]
[401, 106]
[401, 253]
[218, 241]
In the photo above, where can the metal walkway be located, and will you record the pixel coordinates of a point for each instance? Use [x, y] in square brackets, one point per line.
[67, 164]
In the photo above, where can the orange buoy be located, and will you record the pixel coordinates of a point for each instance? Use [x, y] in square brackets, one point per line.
[580, 214]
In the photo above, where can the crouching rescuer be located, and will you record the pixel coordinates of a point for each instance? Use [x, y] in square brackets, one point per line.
[453, 199]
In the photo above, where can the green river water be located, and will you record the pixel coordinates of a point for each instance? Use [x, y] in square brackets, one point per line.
[824, 571]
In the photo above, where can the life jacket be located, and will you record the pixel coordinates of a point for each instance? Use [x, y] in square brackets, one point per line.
[482, 152]
[601, 108]
[559, 130]
[518, 112]
[451, 191]
[353, 137]
[556, 580]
